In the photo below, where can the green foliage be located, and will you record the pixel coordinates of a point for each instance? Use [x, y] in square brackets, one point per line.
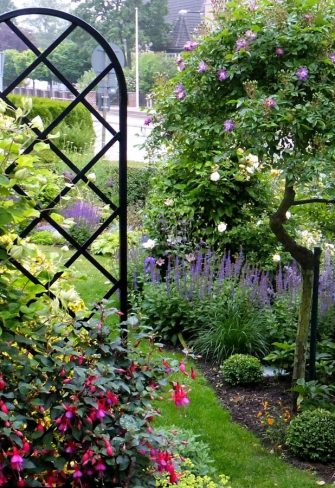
[311, 435]
[189, 446]
[109, 243]
[76, 131]
[168, 313]
[281, 355]
[312, 394]
[190, 480]
[242, 369]
[281, 123]
[117, 21]
[80, 398]
[137, 180]
[47, 238]
[231, 324]
[154, 67]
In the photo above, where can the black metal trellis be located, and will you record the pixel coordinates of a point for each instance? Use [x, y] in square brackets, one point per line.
[120, 137]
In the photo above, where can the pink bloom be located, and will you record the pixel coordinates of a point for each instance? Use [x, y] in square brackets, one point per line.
[111, 398]
[179, 395]
[160, 261]
[279, 52]
[270, 103]
[100, 467]
[182, 368]
[2, 383]
[17, 460]
[250, 35]
[77, 473]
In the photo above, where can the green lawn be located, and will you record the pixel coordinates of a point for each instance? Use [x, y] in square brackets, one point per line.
[237, 452]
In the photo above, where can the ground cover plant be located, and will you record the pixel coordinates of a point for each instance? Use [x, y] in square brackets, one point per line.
[262, 80]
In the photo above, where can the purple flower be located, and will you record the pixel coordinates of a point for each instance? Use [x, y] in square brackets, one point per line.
[302, 73]
[270, 103]
[83, 213]
[332, 57]
[190, 45]
[180, 64]
[222, 74]
[250, 35]
[202, 67]
[149, 264]
[279, 52]
[241, 43]
[180, 92]
[228, 125]
[148, 120]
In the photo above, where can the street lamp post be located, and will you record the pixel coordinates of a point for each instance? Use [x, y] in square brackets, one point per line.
[137, 73]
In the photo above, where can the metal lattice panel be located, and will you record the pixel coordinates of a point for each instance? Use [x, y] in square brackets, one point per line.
[117, 137]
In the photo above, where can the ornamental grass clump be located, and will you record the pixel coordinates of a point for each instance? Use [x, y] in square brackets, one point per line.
[311, 435]
[242, 369]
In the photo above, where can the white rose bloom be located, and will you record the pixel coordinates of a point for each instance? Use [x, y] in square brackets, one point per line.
[288, 215]
[252, 159]
[64, 248]
[168, 202]
[215, 176]
[222, 226]
[149, 244]
[276, 258]
[91, 177]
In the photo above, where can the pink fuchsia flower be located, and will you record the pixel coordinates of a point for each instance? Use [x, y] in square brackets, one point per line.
[182, 368]
[241, 43]
[180, 92]
[17, 460]
[167, 366]
[302, 73]
[279, 52]
[193, 374]
[190, 45]
[3, 384]
[202, 67]
[270, 103]
[100, 467]
[111, 398]
[77, 473]
[222, 74]
[3, 407]
[148, 120]
[228, 125]
[332, 57]
[179, 395]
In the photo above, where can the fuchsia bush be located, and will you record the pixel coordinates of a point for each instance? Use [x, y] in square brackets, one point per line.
[76, 409]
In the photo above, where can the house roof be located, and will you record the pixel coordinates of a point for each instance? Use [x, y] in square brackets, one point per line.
[184, 17]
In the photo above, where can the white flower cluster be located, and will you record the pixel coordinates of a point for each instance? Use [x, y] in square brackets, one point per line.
[249, 164]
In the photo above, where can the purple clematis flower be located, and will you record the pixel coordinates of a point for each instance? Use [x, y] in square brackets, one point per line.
[222, 74]
[250, 35]
[180, 64]
[332, 57]
[302, 73]
[270, 103]
[228, 125]
[202, 67]
[180, 92]
[148, 120]
[241, 43]
[190, 45]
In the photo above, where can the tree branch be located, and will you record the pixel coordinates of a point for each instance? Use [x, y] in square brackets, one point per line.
[300, 253]
[312, 200]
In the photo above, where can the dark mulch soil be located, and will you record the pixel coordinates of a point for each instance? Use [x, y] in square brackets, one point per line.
[246, 405]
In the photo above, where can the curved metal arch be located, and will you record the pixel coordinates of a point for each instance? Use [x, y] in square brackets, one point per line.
[120, 137]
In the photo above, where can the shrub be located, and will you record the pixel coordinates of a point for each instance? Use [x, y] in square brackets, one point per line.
[137, 180]
[109, 242]
[75, 130]
[76, 404]
[233, 324]
[47, 238]
[242, 369]
[311, 435]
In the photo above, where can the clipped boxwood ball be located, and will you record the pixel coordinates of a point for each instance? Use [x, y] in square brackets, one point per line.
[311, 435]
[242, 369]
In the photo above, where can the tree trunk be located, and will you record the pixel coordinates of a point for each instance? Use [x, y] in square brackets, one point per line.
[305, 258]
[301, 342]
